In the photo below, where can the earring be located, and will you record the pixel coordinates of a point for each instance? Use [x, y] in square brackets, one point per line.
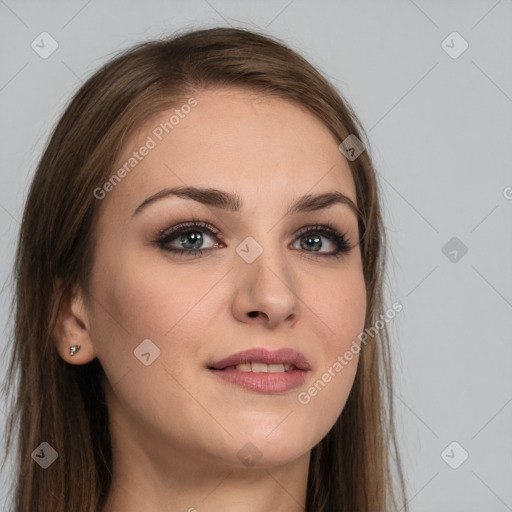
[74, 349]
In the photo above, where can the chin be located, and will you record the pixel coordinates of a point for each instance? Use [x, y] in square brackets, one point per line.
[261, 450]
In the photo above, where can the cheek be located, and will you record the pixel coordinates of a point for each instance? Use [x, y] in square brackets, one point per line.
[338, 304]
[342, 311]
[145, 297]
[150, 296]
[145, 307]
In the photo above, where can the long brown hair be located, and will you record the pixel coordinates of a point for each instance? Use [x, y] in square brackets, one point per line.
[64, 404]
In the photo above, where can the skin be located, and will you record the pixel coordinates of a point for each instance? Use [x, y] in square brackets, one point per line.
[177, 429]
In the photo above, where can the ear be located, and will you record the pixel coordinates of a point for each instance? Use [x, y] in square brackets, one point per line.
[72, 327]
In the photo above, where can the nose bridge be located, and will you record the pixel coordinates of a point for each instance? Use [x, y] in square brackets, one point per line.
[261, 250]
[264, 268]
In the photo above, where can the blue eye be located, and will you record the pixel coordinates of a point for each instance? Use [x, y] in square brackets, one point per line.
[188, 233]
[312, 238]
[192, 234]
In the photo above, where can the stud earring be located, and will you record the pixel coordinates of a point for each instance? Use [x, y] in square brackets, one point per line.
[74, 349]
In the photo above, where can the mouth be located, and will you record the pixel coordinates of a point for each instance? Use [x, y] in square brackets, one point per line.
[259, 367]
[262, 370]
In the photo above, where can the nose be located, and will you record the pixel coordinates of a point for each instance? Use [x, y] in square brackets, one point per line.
[266, 291]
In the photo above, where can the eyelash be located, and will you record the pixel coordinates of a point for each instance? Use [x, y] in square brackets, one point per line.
[339, 239]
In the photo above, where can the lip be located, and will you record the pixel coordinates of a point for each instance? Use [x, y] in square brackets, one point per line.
[262, 355]
[263, 382]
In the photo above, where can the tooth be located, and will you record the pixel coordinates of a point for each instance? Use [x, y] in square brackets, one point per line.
[259, 367]
[274, 368]
[244, 367]
[287, 367]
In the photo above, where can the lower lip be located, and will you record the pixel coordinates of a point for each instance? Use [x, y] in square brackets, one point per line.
[263, 382]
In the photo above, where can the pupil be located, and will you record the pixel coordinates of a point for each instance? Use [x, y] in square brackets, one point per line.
[192, 238]
[316, 240]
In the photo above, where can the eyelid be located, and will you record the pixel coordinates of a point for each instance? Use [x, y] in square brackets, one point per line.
[186, 225]
[195, 222]
[325, 226]
[191, 224]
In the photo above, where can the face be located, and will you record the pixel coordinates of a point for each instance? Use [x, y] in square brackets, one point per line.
[171, 300]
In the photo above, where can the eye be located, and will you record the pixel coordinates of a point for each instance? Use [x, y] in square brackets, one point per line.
[311, 238]
[190, 236]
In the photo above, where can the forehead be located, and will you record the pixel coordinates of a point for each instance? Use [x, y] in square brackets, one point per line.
[267, 149]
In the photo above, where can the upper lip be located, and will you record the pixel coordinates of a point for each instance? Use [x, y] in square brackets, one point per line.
[262, 355]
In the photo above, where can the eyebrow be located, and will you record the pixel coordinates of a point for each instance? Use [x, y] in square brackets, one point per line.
[233, 203]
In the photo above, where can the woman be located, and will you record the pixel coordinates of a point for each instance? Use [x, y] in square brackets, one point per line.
[199, 317]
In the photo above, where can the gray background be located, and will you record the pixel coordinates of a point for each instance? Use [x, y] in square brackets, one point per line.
[441, 131]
